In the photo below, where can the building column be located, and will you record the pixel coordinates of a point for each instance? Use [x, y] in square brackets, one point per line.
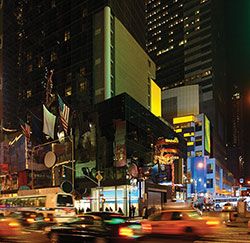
[107, 53]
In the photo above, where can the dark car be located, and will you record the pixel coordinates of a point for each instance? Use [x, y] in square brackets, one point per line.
[95, 227]
[31, 219]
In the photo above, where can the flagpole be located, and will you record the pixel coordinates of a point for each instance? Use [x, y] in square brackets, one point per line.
[71, 138]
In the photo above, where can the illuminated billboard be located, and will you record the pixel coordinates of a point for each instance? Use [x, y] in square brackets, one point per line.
[155, 99]
[207, 135]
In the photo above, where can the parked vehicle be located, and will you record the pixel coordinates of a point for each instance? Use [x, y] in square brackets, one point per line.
[95, 227]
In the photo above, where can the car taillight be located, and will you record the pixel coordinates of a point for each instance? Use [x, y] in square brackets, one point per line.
[126, 231]
[47, 219]
[213, 222]
[30, 220]
[146, 227]
[13, 224]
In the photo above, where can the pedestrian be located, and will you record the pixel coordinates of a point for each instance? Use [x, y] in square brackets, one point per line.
[145, 213]
[120, 210]
[110, 209]
[106, 209]
[133, 211]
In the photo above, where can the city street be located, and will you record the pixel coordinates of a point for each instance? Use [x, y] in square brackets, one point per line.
[228, 234]
[238, 233]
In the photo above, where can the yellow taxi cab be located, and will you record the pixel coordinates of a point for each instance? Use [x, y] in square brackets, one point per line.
[228, 207]
[9, 227]
[180, 221]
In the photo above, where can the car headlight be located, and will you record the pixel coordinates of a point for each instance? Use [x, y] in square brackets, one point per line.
[47, 229]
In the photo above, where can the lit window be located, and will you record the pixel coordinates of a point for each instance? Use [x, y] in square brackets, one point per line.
[30, 68]
[82, 86]
[82, 70]
[68, 91]
[28, 93]
[40, 62]
[66, 35]
[29, 56]
[53, 3]
[198, 153]
[52, 56]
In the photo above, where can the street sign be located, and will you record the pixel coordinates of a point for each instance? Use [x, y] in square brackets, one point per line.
[99, 177]
[243, 189]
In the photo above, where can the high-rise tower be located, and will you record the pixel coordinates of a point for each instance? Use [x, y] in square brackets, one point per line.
[186, 40]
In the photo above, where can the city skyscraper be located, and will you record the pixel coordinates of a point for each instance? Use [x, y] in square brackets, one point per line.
[75, 39]
[8, 65]
[186, 41]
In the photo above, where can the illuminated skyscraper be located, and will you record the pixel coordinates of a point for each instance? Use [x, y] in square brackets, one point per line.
[186, 39]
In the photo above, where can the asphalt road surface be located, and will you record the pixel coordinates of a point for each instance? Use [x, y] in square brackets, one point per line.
[238, 234]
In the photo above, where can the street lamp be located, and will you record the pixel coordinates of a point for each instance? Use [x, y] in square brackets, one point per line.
[195, 186]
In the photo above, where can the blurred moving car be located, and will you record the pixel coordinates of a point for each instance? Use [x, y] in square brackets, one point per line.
[31, 219]
[180, 221]
[9, 228]
[228, 207]
[95, 227]
[208, 207]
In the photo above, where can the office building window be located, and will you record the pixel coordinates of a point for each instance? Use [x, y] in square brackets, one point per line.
[84, 12]
[198, 153]
[82, 70]
[66, 35]
[53, 3]
[69, 76]
[52, 56]
[198, 141]
[210, 168]
[28, 93]
[82, 85]
[198, 126]
[30, 67]
[210, 183]
[68, 91]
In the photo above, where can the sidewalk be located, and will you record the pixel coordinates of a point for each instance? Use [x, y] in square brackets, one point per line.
[238, 222]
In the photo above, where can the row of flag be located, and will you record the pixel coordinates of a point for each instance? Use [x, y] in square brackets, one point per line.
[39, 128]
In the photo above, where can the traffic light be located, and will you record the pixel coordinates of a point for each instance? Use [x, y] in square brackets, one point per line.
[63, 172]
[103, 200]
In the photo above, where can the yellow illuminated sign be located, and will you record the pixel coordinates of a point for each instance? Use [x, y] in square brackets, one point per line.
[178, 130]
[183, 119]
[190, 143]
[207, 135]
[155, 99]
[188, 134]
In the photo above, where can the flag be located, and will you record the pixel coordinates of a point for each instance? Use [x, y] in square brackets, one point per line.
[26, 129]
[64, 113]
[48, 122]
[37, 128]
